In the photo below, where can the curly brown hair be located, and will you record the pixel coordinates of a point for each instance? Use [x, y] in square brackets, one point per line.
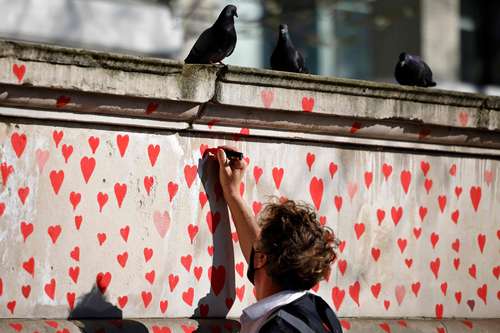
[299, 249]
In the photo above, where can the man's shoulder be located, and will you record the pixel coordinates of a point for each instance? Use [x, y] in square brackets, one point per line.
[310, 309]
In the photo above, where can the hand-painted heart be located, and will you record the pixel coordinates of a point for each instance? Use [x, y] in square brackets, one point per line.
[162, 222]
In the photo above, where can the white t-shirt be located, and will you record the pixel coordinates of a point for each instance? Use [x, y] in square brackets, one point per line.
[254, 316]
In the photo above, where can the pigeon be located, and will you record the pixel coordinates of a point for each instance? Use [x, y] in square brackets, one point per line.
[285, 56]
[413, 71]
[217, 42]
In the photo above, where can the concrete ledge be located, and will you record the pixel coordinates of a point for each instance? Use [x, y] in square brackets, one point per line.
[227, 325]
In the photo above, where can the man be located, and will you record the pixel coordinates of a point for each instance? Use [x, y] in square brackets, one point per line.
[287, 253]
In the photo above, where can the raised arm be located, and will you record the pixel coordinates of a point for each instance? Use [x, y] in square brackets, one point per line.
[230, 174]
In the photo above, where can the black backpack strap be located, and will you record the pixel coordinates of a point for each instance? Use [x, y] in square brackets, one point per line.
[295, 322]
[327, 315]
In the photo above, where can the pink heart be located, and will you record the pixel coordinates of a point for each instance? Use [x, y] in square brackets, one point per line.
[162, 222]
[42, 157]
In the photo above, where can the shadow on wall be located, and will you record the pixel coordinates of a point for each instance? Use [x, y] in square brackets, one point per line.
[96, 315]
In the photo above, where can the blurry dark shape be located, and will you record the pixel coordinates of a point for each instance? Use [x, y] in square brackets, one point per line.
[413, 71]
[285, 56]
[93, 313]
[217, 42]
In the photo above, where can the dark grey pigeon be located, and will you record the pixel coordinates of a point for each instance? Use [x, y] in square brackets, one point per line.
[413, 71]
[217, 42]
[285, 56]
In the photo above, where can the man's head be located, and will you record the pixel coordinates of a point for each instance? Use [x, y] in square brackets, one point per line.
[298, 251]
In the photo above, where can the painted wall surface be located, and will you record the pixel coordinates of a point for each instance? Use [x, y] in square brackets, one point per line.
[134, 221]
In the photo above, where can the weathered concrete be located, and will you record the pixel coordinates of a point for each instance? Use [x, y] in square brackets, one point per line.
[104, 153]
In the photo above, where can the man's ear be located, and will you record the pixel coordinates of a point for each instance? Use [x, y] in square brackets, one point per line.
[260, 260]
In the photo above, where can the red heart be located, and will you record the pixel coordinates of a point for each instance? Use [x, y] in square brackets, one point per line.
[234, 236]
[385, 327]
[380, 216]
[425, 166]
[16, 326]
[6, 171]
[458, 191]
[57, 137]
[471, 303]
[345, 324]
[408, 262]
[405, 180]
[73, 273]
[468, 323]
[422, 212]
[402, 242]
[267, 97]
[74, 199]
[150, 276]
[153, 152]
[122, 259]
[172, 190]
[428, 185]
[434, 239]
[240, 292]
[203, 148]
[354, 292]
[163, 307]
[93, 143]
[217, 277]
[342, 264]
[87, 165]
[54, 231]
[256, 207]
[375, 253]
[338, 202]
[120, 192]
[496, 271]
[456, 263]
[463, 118]
[103, 280]
[19, 71]
[213, 221]
[23, 192]
[257, 173]
[396, 214]
[50, 289]
[163, 329]
[359, 228]
[355, 127]
[146, 298]
[202, 197]
[198, 270]
[26, 290]
[190, 172]
[172, 281]
[192, 231]
[439, 311]
[442, 202]
[152, 107]
[29, 266]
[453, 170]
[67, 150]
[278, 176]
[375, 288]
[435, 264]
[310, 160]
[337, 297]
[122, 301]
[239, 268]
[481, 241]
[186, 262]
[148, 182]
[475, 196]
[56, 179]
[26, 229]
[148, 253]
[212, 123]
[417, 232]
[444, 288]
[415, 287]
[455, 215]
[333, 169]
[101, 237]
[102, 199]
[187, 296]
[342, 246]
[386, 170]
[70, 297]
[316, 191]
[11, 306]
[122, 143]
[456, 245]
[190, 329]
[307, 104]
[368, 179]
[458, 296]
[62, 101]
[78, 221]
[75, 253]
